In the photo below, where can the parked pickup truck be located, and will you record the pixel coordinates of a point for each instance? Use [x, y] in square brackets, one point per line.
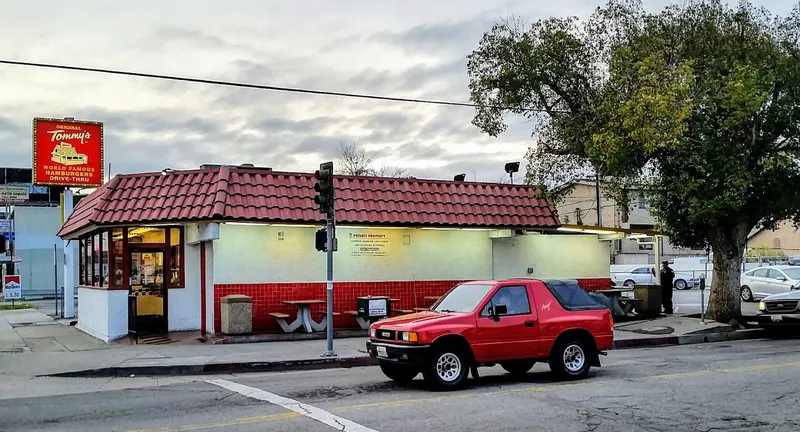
[514, 323]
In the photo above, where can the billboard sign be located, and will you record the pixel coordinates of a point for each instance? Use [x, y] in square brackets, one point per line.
[67, 153]
[14, 194]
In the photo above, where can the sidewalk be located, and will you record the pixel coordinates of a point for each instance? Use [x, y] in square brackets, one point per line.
[32, 344]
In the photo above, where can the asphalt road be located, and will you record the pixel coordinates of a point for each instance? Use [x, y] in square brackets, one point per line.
[689, 301]
[740, 386]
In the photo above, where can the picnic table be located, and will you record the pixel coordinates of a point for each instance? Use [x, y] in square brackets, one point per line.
[623, 304]
[303, 317]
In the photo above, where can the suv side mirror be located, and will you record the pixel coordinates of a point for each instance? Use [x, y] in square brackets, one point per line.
[498, 310]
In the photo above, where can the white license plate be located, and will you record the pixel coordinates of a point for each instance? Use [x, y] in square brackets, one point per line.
[777, 318]
[382, 351]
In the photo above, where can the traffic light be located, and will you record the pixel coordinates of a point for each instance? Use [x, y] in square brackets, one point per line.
[321, 240]
[324, 188]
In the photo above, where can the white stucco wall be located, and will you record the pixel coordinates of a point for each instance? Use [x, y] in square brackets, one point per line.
[268, 253]
[108, 319]
[184, 304]
[551, 256]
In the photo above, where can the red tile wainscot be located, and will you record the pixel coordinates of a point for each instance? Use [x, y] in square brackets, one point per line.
[269, 297]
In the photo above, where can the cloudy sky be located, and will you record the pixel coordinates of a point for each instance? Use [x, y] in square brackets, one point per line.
[404, 48]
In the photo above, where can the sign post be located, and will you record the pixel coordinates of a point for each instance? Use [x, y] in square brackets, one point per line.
[69, 153]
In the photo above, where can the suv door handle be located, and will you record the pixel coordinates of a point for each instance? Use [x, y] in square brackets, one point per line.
[528, 323]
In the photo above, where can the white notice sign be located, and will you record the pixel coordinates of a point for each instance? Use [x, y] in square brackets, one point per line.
[377, 307]
[369, 244]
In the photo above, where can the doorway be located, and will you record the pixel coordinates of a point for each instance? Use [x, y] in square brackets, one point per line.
[148, 304]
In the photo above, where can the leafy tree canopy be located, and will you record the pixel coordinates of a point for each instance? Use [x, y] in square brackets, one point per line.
[697, 105]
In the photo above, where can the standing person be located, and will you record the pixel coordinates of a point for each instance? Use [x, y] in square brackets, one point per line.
[667, 278]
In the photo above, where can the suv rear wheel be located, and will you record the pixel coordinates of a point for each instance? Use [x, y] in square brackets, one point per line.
[400, 373]
[518, 367]
[570, 359]
[447, 367]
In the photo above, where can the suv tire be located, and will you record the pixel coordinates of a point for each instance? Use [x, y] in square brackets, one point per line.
[569, 359]
[402, 374]
[518, 367]
[447, 367]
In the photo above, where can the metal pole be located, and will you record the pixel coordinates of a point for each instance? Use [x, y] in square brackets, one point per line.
[597, 196]
[55, 277]
[330, 224]
[702, 288]
[68, 304]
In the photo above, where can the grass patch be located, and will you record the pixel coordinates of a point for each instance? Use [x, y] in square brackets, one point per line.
[8, 306]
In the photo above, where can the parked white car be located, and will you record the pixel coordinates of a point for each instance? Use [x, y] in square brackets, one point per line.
[764, 281]
[646, 274]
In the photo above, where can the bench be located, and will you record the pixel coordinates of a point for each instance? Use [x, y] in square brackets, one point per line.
[281, 319]
[325, 313]
[361, 323]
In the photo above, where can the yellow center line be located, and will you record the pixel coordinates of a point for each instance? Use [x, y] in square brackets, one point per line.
[468, 395]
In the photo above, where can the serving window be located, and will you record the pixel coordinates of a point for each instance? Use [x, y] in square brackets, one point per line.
[102, 255]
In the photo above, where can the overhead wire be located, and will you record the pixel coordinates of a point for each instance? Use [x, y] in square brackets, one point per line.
[259, 86]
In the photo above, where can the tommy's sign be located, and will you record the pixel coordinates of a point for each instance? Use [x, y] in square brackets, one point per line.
[67, 153]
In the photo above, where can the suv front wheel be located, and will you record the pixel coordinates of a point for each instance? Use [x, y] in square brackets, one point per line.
[569, 359]
[447, 367]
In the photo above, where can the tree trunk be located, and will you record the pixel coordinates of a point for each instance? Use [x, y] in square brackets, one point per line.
[728, 246]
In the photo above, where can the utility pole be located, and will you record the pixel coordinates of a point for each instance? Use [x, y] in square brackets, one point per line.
[325, 200]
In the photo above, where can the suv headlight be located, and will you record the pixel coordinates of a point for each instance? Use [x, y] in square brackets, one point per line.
[408, 337]
[372, 331]
[762, 306]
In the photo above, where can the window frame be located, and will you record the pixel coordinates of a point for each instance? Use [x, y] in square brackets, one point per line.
[484, 310]
[86, 261]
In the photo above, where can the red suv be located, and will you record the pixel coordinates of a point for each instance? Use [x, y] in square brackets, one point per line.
[514, 322]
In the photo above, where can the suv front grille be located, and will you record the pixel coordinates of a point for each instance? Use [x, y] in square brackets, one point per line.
[386, 334]
[777, 306]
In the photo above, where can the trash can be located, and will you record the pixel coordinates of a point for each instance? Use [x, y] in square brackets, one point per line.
[237, 314]
[649, 299]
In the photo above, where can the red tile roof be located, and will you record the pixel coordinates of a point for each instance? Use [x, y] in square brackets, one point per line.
[246, 194]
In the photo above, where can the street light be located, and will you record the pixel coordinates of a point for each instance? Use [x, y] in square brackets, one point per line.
[511, 168]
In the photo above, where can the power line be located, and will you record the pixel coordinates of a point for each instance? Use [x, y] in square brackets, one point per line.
[256, 86]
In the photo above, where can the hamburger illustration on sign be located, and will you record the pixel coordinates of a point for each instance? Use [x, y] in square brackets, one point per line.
[67, 152]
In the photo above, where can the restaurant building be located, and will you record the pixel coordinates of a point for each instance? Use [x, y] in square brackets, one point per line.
[159, 250]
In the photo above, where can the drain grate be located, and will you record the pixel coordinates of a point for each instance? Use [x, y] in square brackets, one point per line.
[12, 350]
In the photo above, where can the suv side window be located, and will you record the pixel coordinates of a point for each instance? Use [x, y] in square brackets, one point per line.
[514, 297]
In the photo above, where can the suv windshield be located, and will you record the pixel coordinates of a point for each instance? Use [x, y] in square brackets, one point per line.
[463, 298]
[793, 273]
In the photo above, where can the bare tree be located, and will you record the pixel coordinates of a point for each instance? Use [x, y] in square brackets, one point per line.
[355, 161]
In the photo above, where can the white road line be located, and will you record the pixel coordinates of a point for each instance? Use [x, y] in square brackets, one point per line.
[309, 411]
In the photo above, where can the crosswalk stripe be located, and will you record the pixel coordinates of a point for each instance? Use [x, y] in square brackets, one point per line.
[309, 411]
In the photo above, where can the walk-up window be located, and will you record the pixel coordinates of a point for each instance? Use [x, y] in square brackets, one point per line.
[145, 261]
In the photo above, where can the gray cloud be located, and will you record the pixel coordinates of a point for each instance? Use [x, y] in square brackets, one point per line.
[438, 37]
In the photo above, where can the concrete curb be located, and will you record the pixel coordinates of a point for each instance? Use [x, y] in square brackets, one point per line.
[689, 339]
[362, 361]
[219, 368]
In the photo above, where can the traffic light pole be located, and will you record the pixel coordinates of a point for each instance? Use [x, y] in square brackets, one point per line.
[330, 223]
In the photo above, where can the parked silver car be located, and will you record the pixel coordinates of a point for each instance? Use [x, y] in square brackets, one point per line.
[780, 310]
[765, 281]
[646, 274]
